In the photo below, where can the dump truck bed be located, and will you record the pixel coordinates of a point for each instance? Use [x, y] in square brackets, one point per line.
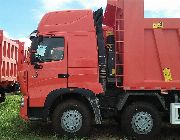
[8, 59]
[150, 47]
[151, 51]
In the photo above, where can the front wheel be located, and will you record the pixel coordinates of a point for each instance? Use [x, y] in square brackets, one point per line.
[141, 121]
[72, 118]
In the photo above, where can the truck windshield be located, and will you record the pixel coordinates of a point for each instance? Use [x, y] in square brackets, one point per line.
[48, 49]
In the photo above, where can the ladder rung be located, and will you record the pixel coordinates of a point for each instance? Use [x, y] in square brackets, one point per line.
[119, 64]
[119, 75]
[119, 53]
[120, 41]
[119, 19]
[119, 30]
[119, 86]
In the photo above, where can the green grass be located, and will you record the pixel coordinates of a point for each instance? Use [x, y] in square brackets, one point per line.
[12, 127]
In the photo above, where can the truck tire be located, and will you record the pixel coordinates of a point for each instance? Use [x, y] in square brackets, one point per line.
[2, 97]
[141, 121]
[72, 118]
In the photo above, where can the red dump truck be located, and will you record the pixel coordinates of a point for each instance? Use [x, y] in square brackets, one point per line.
[85, 67]
[10, 61]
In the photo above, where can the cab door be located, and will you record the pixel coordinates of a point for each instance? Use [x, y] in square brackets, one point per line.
[49, 71]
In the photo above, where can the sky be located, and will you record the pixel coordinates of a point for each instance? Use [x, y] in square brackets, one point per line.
[18, 18]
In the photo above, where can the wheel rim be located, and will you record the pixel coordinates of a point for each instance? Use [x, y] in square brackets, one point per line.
[142, 123]
[71, 121]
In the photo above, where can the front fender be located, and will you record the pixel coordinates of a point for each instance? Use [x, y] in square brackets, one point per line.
[89, 95]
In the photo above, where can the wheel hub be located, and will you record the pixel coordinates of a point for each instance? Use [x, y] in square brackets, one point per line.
[142, 123]
[71, 121]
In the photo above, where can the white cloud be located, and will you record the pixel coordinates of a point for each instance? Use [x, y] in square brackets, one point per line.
[165, 8]
[48, 5]
[94, 4]
[66, 4]
[7, 35]
[26, 41]
[159, 5]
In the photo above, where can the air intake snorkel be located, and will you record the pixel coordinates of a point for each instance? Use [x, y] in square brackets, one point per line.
[98, 21]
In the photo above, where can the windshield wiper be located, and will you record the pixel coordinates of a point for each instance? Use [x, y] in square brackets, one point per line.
[48, 60]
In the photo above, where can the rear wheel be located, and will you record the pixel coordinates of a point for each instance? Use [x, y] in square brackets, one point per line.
[141, 121]
[72, 118]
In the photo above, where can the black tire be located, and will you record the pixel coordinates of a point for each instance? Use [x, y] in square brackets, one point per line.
[117, 118]
[2, 98]
[132, 113]
[72, 105]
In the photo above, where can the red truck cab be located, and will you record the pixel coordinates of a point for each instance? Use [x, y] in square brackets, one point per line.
[64, 61]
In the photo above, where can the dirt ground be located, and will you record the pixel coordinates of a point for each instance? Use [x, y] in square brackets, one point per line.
[111, 130]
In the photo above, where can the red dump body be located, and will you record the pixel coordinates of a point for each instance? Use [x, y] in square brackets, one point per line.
[8, 60]
[149, 47]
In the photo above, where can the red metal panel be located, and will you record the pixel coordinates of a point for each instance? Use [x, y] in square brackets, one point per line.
[22, 54]
[8, 60]
[109, 15]
[134, 43]
[83, 65]
[1, 51]
[80, 44]
[178, 31]
[151, 56]
[85, 78]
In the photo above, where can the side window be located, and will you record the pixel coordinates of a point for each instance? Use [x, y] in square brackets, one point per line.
[50, 49]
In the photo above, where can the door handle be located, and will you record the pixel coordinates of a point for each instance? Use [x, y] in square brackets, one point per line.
[63, 75]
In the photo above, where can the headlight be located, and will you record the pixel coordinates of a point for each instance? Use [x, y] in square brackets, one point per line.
[22, 102]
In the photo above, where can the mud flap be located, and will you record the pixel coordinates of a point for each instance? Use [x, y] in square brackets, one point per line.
[96, 108]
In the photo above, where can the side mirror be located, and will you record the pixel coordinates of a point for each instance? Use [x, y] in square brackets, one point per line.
[31, 37]
[37, 66]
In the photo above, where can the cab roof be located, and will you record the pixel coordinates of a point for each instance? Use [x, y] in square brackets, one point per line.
[67, 21]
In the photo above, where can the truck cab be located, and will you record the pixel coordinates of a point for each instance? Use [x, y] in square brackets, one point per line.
[63, 68]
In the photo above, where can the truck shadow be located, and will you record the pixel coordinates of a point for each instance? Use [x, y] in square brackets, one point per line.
[170, 132]
[107, 131]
